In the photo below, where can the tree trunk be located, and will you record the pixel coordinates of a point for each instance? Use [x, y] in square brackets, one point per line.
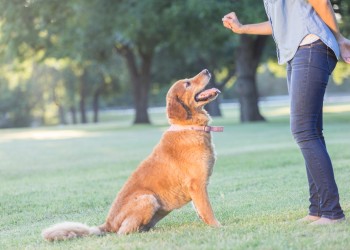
[74, 115]
[62, 115]
[141, 103]
[247, 60]
[248, 99]
[140, 82]
[83, 118]
[95, 104]
[213, 106]
[60, 108]
[43, 120]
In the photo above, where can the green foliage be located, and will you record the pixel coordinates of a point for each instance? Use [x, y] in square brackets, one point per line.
[19, 97]
[341, 72]
[12, 113]
[182, 37]
[342, 10]
[66, 36]
[277, 70]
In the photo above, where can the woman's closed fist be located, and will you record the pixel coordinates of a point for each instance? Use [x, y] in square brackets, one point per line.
[230, 21]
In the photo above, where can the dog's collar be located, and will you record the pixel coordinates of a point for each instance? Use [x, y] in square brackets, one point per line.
[207, 129]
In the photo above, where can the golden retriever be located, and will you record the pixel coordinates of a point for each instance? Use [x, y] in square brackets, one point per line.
[176, 172]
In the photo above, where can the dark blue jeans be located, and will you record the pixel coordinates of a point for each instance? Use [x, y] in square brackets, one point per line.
[307, 75]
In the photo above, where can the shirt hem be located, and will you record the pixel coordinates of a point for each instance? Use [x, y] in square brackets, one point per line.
[287, 60]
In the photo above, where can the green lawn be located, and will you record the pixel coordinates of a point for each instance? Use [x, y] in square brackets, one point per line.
[258, 189]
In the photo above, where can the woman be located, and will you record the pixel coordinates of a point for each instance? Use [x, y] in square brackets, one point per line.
[308, 39]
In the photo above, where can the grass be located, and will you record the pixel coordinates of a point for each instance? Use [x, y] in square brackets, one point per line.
[258, 189]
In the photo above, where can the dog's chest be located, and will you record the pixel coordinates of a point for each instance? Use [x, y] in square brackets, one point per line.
[203, 156]
[191, 152]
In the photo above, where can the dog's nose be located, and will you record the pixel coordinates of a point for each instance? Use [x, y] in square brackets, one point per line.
[205, 71]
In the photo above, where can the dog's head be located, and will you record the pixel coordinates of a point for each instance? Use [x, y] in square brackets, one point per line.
[186, 98]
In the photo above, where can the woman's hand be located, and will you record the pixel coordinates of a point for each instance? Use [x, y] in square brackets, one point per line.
[230, 21]
[344, 46]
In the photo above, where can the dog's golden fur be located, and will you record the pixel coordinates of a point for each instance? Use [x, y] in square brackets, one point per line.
[176, 172]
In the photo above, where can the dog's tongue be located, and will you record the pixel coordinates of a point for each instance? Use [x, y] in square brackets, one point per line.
[208, 92]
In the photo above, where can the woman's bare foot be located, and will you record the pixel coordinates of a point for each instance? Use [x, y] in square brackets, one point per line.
[309, 218]
[325, 221]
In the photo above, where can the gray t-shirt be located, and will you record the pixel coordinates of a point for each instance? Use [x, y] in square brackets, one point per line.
[291, 21]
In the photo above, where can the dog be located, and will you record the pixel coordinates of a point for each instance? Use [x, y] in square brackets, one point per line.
[176, 172]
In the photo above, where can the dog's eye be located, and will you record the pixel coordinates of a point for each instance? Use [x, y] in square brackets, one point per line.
[187, 84]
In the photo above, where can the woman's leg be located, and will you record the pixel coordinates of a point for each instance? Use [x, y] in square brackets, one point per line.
[314, 207]
[310, 70]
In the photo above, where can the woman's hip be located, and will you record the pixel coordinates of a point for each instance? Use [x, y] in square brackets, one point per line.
[315, 55]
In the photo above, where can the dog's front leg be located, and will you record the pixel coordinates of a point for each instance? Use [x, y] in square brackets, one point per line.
[199, 194]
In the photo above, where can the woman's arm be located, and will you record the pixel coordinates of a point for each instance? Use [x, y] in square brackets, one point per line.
[325, 11]
[230, 21]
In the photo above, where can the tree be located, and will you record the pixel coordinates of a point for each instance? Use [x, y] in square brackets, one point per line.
[212, 46]
[197, 41]
[143, 28]
[187, 35]
[248, 56]
[247, 60]
[58, 29]
[21, 92]
[70, 85]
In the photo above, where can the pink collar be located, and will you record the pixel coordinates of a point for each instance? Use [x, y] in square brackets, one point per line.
[193, 127]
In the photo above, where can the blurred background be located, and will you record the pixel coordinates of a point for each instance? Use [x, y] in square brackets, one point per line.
[68, 62]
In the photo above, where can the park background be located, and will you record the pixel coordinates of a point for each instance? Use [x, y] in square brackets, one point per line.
[82, 102]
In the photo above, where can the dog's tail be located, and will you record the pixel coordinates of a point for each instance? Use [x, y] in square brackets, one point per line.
[69, 230]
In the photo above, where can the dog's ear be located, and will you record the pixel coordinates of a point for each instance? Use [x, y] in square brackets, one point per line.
[176, 109]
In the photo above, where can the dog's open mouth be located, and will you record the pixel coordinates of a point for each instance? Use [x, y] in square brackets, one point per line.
[206, 95]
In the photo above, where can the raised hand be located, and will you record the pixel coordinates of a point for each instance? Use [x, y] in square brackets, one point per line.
[230, 21]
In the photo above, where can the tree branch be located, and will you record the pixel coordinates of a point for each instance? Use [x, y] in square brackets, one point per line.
[127, 53]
